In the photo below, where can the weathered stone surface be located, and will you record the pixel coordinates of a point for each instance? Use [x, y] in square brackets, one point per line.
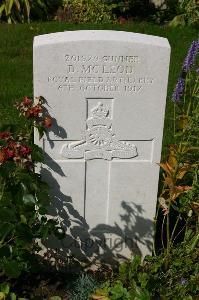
[107, 92]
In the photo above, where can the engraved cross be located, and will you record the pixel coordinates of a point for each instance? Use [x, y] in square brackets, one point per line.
[99, 146]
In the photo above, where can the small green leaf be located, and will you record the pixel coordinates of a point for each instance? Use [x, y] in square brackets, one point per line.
[23, 219]
[13, 296]
[178, 20]
[43, 198]
[43, 211]
[5, 288]
[41, 130]
[29, 199]
[37, 154]
[24, 187]
[123, 271]
[24, 234]
[148, 258]
[135, 263]
[143, 279]
[8, 7]
[2, 7]
[2, 296]
[27, 6]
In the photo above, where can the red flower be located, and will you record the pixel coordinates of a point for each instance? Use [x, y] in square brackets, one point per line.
[34, 111]
[26, 101]
[5, 135]
[12, 145]
[37, 110]
[9, 153]
[47, 122]
[25, 150]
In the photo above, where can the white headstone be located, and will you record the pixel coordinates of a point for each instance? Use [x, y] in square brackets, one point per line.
[107, 93]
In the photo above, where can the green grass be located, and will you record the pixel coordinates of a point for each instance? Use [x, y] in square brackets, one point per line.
[16, 58]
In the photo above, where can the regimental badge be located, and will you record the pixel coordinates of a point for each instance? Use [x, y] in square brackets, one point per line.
[99, 140]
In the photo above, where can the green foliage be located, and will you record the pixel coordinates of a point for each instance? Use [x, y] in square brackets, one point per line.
[118, 291]
[181, 278]
[179, 13]
[83, 286]
[86, 11]
[188, 13]
[44, 9]
[24, 197]
[180, 174]
[133, 8]
[129, 284]
[13, 11]
[166, 12]
[150, 279]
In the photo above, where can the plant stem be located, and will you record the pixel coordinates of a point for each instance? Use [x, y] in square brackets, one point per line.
[168, 244]
[155, 226]
[174, 229]
[162, 230]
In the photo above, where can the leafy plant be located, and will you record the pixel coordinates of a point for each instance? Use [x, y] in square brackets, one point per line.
[44, 9]
[24, 197]
[188, 13]
[149, 279]
[85, 11]
[181, 168]
[13, 11]
[133, 8]
[83, 286]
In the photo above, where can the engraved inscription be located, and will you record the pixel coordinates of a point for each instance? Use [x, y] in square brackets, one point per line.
[99, 140]
[105, 58]
[113, 69]
[93, 73]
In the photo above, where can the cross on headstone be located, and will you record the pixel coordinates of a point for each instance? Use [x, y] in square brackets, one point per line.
[99, 142]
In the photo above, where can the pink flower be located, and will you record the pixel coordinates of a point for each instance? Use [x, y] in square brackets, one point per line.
[25, 150]
[9, 153]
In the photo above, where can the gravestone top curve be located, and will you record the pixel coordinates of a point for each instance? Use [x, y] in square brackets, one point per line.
[102, 35]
